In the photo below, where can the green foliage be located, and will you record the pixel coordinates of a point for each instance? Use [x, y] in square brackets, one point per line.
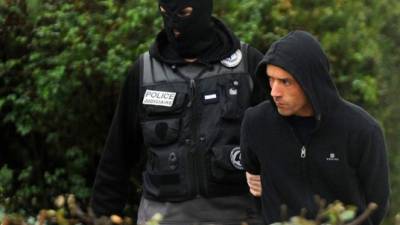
[6, 175]
[335, 213]
[12, 199]
[62, 63]
[29, 191]
[58, 58]
[348, 30]
[65, 211]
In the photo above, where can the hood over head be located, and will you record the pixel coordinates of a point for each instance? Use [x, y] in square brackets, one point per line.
[300, 54]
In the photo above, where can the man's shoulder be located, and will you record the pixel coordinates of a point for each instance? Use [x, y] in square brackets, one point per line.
[262, 110]
[251, 51]
[358, 118]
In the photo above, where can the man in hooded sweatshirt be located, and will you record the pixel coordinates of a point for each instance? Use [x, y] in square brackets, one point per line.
[307, 141]
[180, 111]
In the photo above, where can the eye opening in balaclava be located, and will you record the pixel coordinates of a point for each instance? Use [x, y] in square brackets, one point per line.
[196, 32]
[182, 13]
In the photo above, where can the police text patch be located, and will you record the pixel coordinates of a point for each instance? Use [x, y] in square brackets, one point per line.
[161, 98]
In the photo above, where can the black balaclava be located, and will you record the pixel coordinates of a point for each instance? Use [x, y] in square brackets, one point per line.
[196, 31]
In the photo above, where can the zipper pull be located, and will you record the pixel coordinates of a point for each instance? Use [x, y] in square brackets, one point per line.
[193, 89]
[303, 152]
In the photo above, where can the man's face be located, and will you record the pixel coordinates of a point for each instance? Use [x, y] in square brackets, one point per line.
[183, 18]
[287, 94]
[188, 25]
[182, 14]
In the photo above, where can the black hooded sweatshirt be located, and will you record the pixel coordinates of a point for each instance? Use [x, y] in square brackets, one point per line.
[345, 156]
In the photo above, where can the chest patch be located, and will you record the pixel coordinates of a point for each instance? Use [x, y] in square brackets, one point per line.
[209, 97]
[233, 60]
[332, 157]
[160, 98]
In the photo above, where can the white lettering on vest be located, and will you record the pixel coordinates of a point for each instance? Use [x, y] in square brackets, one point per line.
[161, 98]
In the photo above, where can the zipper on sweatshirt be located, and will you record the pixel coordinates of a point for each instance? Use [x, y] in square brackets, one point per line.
[303, 149]
[306, 176]
[303, 161]
[303, 152]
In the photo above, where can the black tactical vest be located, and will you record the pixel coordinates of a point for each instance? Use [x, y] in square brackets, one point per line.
[190, 119]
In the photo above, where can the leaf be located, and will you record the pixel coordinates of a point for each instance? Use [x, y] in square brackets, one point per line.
[347, 215]
[297, 220]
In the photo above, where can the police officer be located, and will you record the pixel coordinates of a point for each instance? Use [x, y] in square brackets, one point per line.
[181, 108]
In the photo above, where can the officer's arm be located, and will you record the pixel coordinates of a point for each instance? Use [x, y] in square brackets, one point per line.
[373, 172]
[249, 159]
[121, 151]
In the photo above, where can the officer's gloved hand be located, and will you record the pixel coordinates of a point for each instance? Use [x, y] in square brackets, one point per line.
[254, 182]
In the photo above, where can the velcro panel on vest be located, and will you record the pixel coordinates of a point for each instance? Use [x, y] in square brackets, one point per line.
[165, 179]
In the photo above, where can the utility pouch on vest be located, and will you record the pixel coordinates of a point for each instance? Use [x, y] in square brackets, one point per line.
[223, 164]
[232, 106]
[162, 124]
[164, 178]
[161, 132]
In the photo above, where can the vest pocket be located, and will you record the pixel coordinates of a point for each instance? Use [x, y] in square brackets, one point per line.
[223, 165]
[161, 132]
[231, 104]
[161, 126]
[163, 176]
[164, 186]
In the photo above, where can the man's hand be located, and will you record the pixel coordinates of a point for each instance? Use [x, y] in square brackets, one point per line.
[254, 182]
